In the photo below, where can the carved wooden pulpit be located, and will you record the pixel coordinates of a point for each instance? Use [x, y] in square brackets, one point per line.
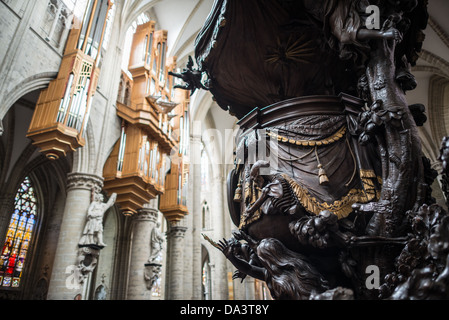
[329, 178]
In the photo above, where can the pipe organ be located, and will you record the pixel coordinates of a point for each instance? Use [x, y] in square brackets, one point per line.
[62, 110]
[173, 202]
[140, 166]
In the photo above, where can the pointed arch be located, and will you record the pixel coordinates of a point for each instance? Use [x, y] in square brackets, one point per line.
[19, 235]
[206, 282]
[36, 82]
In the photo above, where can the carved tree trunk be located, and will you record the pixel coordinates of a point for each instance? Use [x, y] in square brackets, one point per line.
[400, 145]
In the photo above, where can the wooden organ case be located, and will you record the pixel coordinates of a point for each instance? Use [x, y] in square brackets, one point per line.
[173, 202]
[151, 114]
[62, 110]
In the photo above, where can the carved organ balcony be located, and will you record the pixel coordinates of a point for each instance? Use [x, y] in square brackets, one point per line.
[173, 202]
[135, 169]
[137, 166]
[62, 110]
[150, 103]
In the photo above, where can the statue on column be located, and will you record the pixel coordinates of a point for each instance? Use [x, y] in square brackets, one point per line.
[157, 241]
[329, 173]
[91, 241]
[153, 267]
[93, 230]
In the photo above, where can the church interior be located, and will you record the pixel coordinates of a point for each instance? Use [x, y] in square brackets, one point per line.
[112, 177]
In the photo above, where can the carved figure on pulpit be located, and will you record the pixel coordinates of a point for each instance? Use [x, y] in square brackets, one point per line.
[288, 275]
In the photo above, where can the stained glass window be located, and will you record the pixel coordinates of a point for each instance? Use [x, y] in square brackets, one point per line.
[18, 236]
[206, 281]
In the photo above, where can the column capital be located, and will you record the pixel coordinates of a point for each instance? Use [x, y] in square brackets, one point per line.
[147, 214]
[195, 138]
[176, 231]
[85, 181]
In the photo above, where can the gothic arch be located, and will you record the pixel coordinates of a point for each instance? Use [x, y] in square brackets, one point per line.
[33, 83]
[25, 158]
[20, 159]
[200, 104]
[206, 287]
[13, 240]
[84, 157]
[438, 115]
[46, 192]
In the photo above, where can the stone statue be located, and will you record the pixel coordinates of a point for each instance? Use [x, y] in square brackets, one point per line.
[153, 267]
[91, 241]
[86, 262]
[151, 274]
[157, 241]
[93, 230]
[329, 176]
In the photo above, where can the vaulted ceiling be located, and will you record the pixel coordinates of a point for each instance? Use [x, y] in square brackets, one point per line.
[182, 19]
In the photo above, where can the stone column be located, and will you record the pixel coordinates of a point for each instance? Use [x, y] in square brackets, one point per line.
[6, 207]
[175, 263]
[250, 292]
[143, 223]
[195, 167]
[64, 283]
[220, 272]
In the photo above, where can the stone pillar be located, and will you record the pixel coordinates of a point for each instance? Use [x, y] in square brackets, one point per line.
[250, 292]
[64, 283]
[143, 223]
[195, 167]
[6, 207]
[220, 272]
[175, 263]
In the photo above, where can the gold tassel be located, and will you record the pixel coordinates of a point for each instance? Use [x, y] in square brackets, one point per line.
[238, 193]
[324, 180]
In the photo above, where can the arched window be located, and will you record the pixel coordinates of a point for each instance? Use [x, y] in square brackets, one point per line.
[204, 170]
[127, 98]
[18, 236]
[121, 90]
[205, 217]
[206, 280]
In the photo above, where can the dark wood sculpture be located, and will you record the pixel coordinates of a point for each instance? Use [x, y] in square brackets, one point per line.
[191, 78]
[329, 178]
